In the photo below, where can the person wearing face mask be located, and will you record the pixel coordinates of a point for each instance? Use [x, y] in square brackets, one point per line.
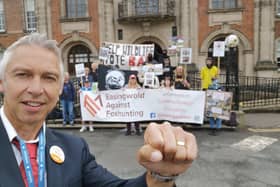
[208, 73]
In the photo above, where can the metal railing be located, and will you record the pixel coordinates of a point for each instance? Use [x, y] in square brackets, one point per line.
[254, 92]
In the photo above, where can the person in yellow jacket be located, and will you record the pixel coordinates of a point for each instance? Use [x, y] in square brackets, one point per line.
[208, 73]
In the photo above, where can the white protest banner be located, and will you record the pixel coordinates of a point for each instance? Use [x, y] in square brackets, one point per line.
[80, 70]
[127, 55]
[103, 53]
[186, 56]
[156, 68]
[219, 49]
[128, 105]
[218, 104]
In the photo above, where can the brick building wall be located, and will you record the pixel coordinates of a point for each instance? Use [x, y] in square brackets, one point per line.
[277, 29]
[56, 23]
[246, 26]
[14, 22]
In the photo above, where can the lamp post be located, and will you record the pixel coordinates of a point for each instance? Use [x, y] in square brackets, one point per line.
[232, 76]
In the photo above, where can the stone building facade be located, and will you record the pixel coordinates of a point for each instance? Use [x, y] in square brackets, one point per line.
[81, 26]
[200, 23]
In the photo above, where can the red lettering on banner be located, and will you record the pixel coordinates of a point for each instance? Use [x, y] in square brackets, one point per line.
[140, 61]
[131, 61]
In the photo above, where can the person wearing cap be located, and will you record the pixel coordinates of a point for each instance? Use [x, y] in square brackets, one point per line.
[132, 84]
[31, 78]
[87, 86]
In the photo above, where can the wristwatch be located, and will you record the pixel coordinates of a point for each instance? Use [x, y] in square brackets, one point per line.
[162, 178]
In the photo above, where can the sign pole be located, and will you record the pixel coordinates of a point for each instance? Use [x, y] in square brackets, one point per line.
[219, 64]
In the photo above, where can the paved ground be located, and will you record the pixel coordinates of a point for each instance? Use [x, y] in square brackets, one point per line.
[249, 120]
[262, 120]
[224, 161]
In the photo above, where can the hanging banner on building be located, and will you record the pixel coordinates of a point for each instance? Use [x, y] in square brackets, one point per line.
[127, 55]
[218, 104]
[186, 56]
[219, 49]
[128, 105]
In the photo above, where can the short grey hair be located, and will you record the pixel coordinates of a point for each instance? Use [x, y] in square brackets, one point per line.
[32, 39]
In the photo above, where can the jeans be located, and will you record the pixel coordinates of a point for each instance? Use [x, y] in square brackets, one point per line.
[67, 111]
[215, 123]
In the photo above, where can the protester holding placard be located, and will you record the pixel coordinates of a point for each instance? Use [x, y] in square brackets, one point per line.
[93, 73]
[208, 73]
[181, 80]
[132, 84]
[87, 76]
[215, 122]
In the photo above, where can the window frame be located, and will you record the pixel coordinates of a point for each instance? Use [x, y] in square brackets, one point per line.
[149, 7]
[30, 16]
[2, 18]
[277, 8]
[277, 51]
[223, 7]
[76, 14]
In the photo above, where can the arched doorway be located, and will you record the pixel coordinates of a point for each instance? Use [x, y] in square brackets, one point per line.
[79, 54]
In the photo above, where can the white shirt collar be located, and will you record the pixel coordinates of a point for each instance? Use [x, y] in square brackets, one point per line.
[12, 133]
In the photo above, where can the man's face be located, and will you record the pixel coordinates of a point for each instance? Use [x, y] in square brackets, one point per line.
[31, 85]
[209, 63]
[94, 66]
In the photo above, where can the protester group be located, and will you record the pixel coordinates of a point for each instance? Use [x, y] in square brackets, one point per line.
[171, 77]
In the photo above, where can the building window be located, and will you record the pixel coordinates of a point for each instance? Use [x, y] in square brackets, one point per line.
[147, 7]
[2, 17]
[278, 7]
[76, 8]
[77, 55]
[277, 52]
[120, 34]
[174, 31]
[30, 15]
[223, 4]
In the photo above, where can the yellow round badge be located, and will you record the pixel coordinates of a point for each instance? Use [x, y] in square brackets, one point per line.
[57, 154]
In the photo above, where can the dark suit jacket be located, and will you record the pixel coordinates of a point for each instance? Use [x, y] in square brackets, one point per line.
[78, 170]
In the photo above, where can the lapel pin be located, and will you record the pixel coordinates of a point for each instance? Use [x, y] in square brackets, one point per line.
[57, 154]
